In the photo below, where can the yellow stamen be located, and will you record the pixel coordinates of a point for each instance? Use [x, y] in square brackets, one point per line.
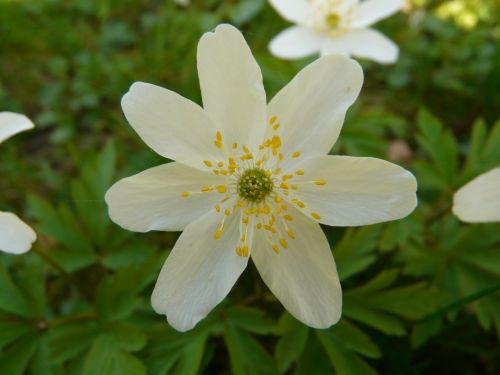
[218, 136]
[290, 233]
[185, 194]
[319, 182]
[218, 233]
[217, 208]
[206, 189]
[208, 163]
[283, 242]
[272, 120]
[276, 249]
[299, 173]
[288, 217]
[220, 164]
[315, 215]
[244, 250]
[221, 189]
[296, 154]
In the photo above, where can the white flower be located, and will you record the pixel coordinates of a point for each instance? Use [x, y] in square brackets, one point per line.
[335, 26]
[183, 3]
[479, 200]
[15, 236]
[253, 180]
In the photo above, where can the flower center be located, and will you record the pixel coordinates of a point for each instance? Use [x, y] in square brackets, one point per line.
[332, 20]
[254, 185]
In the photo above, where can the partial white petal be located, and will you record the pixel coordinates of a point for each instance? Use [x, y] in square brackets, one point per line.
[231, 86]
[358, 191]
[16, 237]
[292, 10]
[366, 43]
[370, 11]
[171, 125]
[12, 123]
[479, 200]
[296, 42]
[152, 200]
[199, 272]
[303, 276]
[312, 107]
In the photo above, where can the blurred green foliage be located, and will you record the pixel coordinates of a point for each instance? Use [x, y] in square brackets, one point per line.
[421, 295]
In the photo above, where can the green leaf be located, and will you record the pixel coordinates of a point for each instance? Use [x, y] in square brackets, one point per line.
[68, 341]
[249, 319]
[247, 356]
[11, 298]
[15, 359]
[105, 357]
[354, 253]
[293, 338]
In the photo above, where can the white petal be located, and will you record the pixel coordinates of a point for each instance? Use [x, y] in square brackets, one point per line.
[303, 276]
[171, 125]
[370, 11]
[312, 107]
[358, 191]
[12, 123]
[365, 43]
[291, 10]
[16, 237]
[296, 42]
[152, 200]
[231, 86]
[479, 200]
[199, 272]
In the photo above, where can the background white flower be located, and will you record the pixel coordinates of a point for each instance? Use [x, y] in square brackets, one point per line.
[335, 26]
[479, 200]
[15, 236]
[253, 180]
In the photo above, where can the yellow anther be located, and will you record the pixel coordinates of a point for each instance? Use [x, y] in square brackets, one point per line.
[223, 172]
[216, 172]
[218, 136]
[264, 210]
[286, 177]
[277, 171]
[299, 203]
[281, 157]
[315, 215]
[283, 242]
[276, 126]
[245, 220]
[294, 187]
[267, 173]
[206, 189]
[246, 150]
[319, 182]
[250, 211]
[244, 250]
[218, 144]
[275, 247]
[185, 194]
[299, 173]
[221, 189]
[269, 228]
[235, 146]
[227, 212]
[272, 120]
[296, 154]
[208, 163]
[238, 251]
[220, 164]
[277, 199]
[217, 208]
[290, 233]
[259, 226]
[226, 198]
[240, 204]
[288, 217]
[284, 185]
[218, 233]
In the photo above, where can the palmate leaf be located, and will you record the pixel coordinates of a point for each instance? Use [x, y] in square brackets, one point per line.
[293, 338]
[461, 260]
[172, 352]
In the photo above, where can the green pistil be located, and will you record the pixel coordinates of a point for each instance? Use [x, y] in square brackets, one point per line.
[332, 20]
[254, 185]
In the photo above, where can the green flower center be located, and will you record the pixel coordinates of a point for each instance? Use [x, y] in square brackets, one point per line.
[332, 20]
[254, 185]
